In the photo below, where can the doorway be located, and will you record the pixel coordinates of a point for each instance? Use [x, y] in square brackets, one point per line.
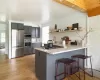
[3, 55]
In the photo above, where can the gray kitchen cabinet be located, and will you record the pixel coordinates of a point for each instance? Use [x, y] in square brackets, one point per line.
[38, 32]
[35, 32]
[36, 45]
[28, 29]
[13, 25]
[40, 57]
[18, 26]
[27, 50]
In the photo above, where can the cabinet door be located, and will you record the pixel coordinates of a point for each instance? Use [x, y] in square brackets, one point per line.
[36, 45]
[26, 28]
[30, 29]
[33, 32]
[14, 25]
[40, 57]
[38, 32]
[27, 50]
[20, 26]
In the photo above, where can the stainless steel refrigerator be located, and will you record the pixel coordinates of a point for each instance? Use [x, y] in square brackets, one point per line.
[17, 43]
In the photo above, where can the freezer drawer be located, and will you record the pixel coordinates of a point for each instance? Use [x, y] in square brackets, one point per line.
[17, 52]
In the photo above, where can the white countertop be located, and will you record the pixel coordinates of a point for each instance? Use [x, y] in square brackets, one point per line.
[61, 50]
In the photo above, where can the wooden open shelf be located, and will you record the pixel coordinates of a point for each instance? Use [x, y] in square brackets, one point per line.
[65, 31]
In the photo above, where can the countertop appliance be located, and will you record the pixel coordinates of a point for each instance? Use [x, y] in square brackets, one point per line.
[50, 43]
[27, 36]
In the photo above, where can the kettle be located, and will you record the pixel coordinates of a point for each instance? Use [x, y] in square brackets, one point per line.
[50, 43]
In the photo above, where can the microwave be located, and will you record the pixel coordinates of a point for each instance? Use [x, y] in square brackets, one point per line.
[27, 35]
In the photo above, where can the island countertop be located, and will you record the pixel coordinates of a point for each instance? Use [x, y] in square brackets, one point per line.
[60, 50]
[45, 60]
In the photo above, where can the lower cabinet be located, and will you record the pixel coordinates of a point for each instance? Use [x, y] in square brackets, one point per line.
[40, 65]
[36, 45]
[31, 49]
[27, 50]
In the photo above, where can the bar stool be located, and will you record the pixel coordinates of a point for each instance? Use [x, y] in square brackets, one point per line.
[83, 57]
[68, 63]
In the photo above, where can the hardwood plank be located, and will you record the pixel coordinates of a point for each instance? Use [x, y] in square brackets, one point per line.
[18, 69]
[23, 69]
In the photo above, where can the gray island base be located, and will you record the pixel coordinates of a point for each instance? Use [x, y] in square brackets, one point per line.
[45, 60]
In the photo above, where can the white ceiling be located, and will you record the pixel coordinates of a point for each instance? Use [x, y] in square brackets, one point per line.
[37, 11]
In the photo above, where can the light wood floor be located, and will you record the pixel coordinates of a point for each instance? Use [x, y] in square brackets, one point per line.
[22, 69]
[18, 69]
[73, 77]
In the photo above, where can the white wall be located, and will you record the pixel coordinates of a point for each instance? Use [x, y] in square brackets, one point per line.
[94, 41]
[68, 20]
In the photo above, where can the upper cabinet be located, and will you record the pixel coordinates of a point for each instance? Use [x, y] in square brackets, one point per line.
[28, 29]
[38, 32]
[18, 26]
[35, 32]
[13, 25]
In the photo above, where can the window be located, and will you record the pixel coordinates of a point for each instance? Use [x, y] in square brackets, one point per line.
[3, 37]
[45, 34]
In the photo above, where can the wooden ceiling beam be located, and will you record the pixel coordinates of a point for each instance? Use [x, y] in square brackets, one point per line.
[76, 4]
[94, 12]
[91, 7]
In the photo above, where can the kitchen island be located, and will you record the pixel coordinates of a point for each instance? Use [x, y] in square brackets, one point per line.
[45, 60]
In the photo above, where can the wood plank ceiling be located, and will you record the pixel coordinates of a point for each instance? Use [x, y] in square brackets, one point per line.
[92, 7]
